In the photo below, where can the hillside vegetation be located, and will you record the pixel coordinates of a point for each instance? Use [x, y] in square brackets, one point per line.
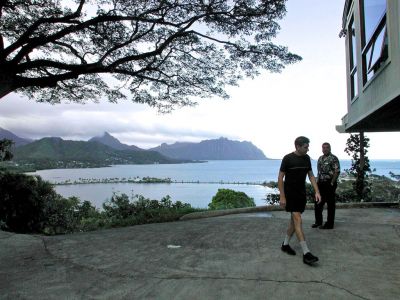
[51, 153]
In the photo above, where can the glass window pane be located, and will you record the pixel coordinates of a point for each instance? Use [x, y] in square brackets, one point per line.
[373, 12]
[353, 59]
[354, 85]
[377, 49]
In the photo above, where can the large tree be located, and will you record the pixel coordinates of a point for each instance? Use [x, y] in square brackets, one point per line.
[165, 53]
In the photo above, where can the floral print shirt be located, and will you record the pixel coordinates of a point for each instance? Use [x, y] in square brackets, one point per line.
[327, 166]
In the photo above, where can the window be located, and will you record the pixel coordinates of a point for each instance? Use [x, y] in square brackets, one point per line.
[353, 59]
[374, 36]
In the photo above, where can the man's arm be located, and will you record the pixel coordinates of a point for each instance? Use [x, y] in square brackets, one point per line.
[282, 198]
[315, 186]
[335, 176]
[336, 171]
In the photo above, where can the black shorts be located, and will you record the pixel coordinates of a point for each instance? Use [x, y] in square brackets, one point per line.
[295, 201]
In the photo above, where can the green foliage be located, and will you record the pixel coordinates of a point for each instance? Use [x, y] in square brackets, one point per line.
[22, 201]
[382, 189]
[5, 150]
[122, 211]
[272, 198]
[357, 147]
[235, 41]
[30, 205]
[394, 176]
[226, 198]
[346, 195]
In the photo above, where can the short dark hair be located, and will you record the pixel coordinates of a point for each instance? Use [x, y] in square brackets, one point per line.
[326, 144]
[301, 140]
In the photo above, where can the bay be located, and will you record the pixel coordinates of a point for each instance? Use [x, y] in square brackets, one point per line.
[196, 194]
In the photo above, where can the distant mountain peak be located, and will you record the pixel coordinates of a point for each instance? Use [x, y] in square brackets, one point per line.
[106, 134]
[109, 140]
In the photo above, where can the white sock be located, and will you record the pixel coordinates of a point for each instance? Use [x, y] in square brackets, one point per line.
[287, 240]
[303, 245]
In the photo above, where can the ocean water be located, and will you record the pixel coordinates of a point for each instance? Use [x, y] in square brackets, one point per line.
[197, 194]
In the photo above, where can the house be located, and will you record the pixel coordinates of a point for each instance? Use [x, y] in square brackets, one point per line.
[372, 32]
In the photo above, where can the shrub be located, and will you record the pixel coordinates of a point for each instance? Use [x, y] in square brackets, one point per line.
[22, 201]
[346, 196]
[122, 211]
[118, 207]
[30, 205]
[226, 198]
[272, 199]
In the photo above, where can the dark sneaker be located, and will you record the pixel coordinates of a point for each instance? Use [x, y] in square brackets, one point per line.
[309, 259]
[288, 249]
[326, 226]
[315, 225]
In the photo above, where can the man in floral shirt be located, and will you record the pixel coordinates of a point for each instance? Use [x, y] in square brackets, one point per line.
[328, 173]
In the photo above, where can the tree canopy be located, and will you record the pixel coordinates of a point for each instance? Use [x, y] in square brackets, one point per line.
[165, 53]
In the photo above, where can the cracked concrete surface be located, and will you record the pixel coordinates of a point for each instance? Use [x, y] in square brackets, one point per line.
[230, 257]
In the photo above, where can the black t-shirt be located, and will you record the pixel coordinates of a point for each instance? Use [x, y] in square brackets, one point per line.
[296, 169]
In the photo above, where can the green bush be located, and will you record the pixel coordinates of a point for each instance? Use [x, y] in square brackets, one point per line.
[22, 201]
[29, 204]
[346, 196]
[272, 199]
[226, 198]
[122, 211]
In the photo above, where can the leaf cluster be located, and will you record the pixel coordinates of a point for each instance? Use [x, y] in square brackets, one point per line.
[227, 198]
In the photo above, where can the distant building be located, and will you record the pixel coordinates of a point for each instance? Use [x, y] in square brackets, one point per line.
[372, 31]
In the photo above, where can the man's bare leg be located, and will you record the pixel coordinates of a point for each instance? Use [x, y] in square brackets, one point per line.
[297, 221]
[297, 224]
[289, 233]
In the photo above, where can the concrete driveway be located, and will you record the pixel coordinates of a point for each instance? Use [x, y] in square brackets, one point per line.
[228, 257]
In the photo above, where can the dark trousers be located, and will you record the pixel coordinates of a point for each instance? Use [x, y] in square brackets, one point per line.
[327, 192]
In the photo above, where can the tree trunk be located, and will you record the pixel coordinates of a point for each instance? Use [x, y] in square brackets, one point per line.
[362, 164]
[362, 157]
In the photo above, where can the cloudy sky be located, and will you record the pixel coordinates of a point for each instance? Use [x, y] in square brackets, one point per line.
[308, 98]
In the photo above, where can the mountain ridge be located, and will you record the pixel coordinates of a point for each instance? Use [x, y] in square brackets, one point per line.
[54, 152]
[18, 141]
[109, 140]
[212, 149]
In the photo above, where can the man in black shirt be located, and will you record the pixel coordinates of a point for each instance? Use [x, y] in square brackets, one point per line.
[294, 168]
